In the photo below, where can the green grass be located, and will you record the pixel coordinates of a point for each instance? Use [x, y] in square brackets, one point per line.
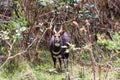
[28, 71]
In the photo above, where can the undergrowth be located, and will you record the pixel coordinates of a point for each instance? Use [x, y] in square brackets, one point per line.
[28, 71]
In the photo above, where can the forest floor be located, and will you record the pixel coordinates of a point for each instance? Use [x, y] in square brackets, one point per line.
[45, 71]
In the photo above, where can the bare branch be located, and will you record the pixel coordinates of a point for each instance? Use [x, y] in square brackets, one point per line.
[44, 33]
[11, 57]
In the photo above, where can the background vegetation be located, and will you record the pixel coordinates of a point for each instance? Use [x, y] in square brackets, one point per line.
[25, 33]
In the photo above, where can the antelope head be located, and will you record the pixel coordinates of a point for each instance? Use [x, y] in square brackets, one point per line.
[57, 35]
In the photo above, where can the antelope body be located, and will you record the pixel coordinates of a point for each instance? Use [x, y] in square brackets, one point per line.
[58, 40]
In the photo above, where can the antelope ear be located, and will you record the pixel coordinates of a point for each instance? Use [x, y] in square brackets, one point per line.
[62, 32]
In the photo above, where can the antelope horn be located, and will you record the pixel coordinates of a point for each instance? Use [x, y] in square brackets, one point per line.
[60, 29]
[55, 29]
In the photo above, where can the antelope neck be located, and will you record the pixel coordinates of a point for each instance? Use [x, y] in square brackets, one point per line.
[56, 48]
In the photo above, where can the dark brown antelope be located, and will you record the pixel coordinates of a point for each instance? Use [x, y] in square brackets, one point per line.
[58, 40]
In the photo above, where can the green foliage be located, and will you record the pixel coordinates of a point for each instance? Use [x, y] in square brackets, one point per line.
[85, 56]
[110, 44]
[118, 75]
[81, 75]
[65, 1]
[16, 25]
[12, 31]
[2, 49]
[115, 44]
[102, 42]
[22, 70]
[117, 63]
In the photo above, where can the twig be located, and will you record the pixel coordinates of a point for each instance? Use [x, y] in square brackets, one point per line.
[98, 12]
[11, 57]
[24, 50]
[9, 51]
[4, 21]
[72, 47]
[11, 45]
[6, 60]
[1, 15]
[44, 33]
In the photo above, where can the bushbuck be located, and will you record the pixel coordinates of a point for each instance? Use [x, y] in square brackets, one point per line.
[57, 41]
